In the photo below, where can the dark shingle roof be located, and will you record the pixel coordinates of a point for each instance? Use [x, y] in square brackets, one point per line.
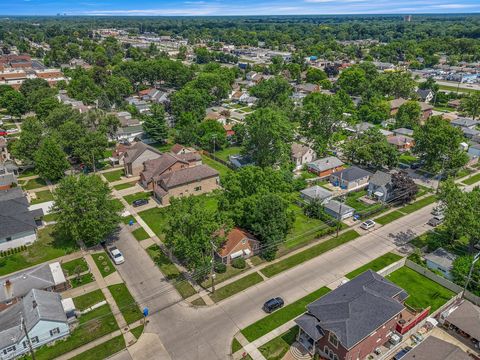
[352, 173]
[186, 176]
[380, 178]
[467, 318]
[359, 307]
[435, 348]
[136, 150]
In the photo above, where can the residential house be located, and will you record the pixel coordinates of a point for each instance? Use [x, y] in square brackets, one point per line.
[465, 123]
[40, 314]
[360, 128]
[338, 210]
[301, 155]
[316, 193]
[401, 142]
[136, 155]
[325, 166]
[425, 95]
[130, 128]
[463, 317]
[239, 161]
[403, 131]
[442, 261]
[426, 109]
[141, 105]
[18, 225]
[178, 149]
[117, 154]
[8, 175]
[350, 178]
[195, 180]
[353, 320]
[380, 186]
[238, 244]
[474, 150]
[154, 95]
[435, 348]
[48, 277]
[307, 88]
[470, 133]
[229, 132]
[454, 103]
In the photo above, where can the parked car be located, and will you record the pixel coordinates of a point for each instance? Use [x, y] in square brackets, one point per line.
[402, 353]
[140, 202]
[273, 304]
[368, 224]
[116, 255]
[436, 220]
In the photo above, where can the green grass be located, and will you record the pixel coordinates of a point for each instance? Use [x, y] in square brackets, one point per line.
[46, 248]
[309, 254]
[423, 291]
[407, 159]
[276, 348]
[126, 219]
[107, 153]
[103, 263]
[156, 219]
[83, 302]
[225, 153]
[92, 326]
[138, 196]
[124, 185]
[42, 196]
[27, 173]
[236, 346]
[222, 169]
[417, 205]
[162, 147]
[171, 272]
[118, 204]
[472, 180]
[375, 265]
[74, 266]
[50, 217]
[137, 331]
[126, 303]
[280, 317]
[388, 218]
[304, 228]
[34, 184]
[82, 280]
[236, 286]
[199, 302]
[455, 89]
[104, 350]
[220, 277]
[140, 234]
[114, 175]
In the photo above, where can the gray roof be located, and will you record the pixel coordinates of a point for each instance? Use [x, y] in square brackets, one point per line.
[317, 192]
[380, 178]
[310, 325]
[15, 217]
[356, 309]
[441, 257]
[334, 206]
[403, 131]
[186, 176]
[35, 306]
[136, 150]
[423, 93]
[467, 318]
[298, 150]
[435, 348]
[464, 122]
[352, 173]
[327, 163]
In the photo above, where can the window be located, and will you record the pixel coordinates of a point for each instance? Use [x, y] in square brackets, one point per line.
[24, 344]
[198, 188]
[34, 339]
[9, 349]
[335, 357]
[332, 339]
[8, 238]
[244, 241]
[54, 331]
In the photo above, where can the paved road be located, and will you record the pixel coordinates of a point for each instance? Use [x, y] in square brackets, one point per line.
[206, 333]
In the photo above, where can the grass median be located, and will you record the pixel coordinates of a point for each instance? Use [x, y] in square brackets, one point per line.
[417, 205]
[103, 351]
[280, 317]
[388, 218]
[309, 253]
[472, 180]
[126, 303]
[375, 265]
[236, 286]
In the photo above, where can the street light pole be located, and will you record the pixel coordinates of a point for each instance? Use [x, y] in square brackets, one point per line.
[212, 267]
[475, 259]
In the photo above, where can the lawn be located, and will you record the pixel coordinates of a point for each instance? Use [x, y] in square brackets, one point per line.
[304, 228]
[126, 303]
[107, 153]
[171, 272]
[280, 317]
[309, 254]
[27, 173]
[34, 184]
[423, 291]
[83, 302]
[126, 219]
[50, 217]
[73, 266]
[236, 346]
[236, 286]
[137, 331]
[407, 159]
[46, 248]
[222, 169]
[140, 234]
[225, 153]
[42, 196]
[92, 326]
[138, 196]
[156, 219]
[114, 175]
[456, 88]
[388, 218]
[220, 277]
[104, 350]
[276, 348]
[162, 147]
[417, 205]
[472, 180]
[82, 280]
[103, 263]
[124, 185]
[375, 265]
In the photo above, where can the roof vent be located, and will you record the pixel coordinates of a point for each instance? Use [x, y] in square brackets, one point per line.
[34, 304]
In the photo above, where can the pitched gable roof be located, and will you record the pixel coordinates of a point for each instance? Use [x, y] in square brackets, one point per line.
[352, 173]
[136, 150]
[381, 178]
[186, 176]
[234, 237]
[155, 167]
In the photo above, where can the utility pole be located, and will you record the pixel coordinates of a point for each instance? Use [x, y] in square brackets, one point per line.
[24, 327]
[212, 267]
[340, 208]
[475, 259]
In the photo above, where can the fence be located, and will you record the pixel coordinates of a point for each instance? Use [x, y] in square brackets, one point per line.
[216, 158]
[392, 267]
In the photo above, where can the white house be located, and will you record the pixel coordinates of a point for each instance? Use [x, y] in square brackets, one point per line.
[302, 155]
[442, 261]
[42, 315]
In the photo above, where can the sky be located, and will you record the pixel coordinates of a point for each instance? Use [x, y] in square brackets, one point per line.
[234, 7]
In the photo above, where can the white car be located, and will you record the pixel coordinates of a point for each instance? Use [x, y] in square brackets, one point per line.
[116, 255]
[367, 224]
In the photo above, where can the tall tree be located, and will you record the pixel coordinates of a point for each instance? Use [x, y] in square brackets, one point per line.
[50, 160]
[155, 125]
[25, 147]
[86, 210]
[211, 135]
[273, 92]
[14, 102]
[471, 105]
[408, 115]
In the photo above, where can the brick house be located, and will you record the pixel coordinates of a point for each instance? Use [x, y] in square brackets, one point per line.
[350, 178]
[136, 155]
[426, 109]
[238, 244]
[325, 166]
[353, 320]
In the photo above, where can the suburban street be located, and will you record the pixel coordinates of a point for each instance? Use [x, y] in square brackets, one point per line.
[206, 333]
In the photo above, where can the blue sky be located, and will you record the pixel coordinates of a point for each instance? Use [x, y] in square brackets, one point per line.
[234, 7]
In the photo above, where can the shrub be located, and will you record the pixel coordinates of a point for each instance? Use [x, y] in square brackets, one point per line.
[239, 263]
[220, 267]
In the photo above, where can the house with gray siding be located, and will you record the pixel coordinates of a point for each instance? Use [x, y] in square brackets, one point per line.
[380, 186]
[442, 261]
[136, 155]
[316, 193]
